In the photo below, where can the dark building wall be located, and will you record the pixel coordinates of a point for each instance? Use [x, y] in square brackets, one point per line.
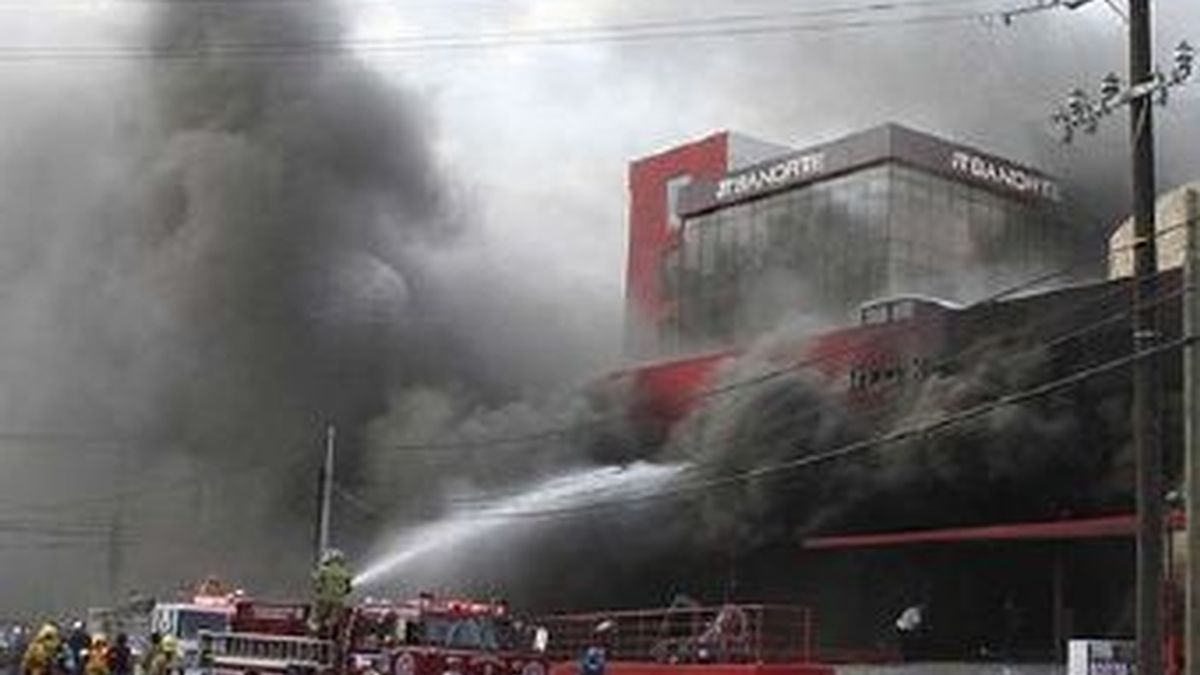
[985, 600]
[1057, 457]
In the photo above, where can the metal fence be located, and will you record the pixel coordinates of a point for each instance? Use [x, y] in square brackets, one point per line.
[690, 634]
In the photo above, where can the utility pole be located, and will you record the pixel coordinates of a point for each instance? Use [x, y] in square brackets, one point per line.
[326, 492]
[1147, 381]
[1147, 86]
[1191, 415]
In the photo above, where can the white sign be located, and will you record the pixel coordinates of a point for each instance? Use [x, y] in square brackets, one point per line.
[1004, 175]
[1100, 657]
[775, 175]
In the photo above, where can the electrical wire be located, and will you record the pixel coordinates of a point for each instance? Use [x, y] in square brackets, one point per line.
[1030, 327]
[357, 502]
[1008, 292]
[784, 426]
[706, 27]
[239, 4]
[74, 440]
[49, 539]
[1112, 4]
[349, 4]
[251, 469]
[363, 505]
[925, 429]
[237, 472]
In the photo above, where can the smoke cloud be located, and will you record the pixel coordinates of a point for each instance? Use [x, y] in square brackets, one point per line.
[209, 264]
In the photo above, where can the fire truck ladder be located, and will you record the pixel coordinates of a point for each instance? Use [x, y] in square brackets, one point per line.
[261, 653]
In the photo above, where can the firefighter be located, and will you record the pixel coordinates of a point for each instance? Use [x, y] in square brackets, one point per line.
[910, 626]
[595, 658]
[164, 657]
[65, 661]
[18, 642]
[151, 649]
[77, 643]
[332, 583]
[97, 657]
[120, 656]
[42, 653]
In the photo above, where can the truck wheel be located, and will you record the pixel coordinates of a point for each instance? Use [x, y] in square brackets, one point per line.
[404, 664]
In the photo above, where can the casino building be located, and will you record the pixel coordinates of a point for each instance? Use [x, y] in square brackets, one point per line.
[1014, 529]
[729, 236]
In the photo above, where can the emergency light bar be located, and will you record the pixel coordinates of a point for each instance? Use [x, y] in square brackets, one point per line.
[426, 601]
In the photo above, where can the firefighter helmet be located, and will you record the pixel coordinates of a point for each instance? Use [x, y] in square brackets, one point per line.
[47, 632]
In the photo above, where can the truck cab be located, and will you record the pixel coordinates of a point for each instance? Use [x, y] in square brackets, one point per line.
[439, 637]
[185, 621]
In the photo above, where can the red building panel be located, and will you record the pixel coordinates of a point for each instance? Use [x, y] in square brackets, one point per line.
[666, 392]
[650, 235]
[1107, 527]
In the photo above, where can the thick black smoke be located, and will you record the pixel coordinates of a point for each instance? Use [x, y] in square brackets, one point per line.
[242, 249]
[1065, 453]
[1057, 454]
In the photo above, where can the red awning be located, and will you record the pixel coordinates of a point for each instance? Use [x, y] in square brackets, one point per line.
[1107, 527]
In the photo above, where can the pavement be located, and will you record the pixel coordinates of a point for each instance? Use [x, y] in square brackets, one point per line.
[954, 669]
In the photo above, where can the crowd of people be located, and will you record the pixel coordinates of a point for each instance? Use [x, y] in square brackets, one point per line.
[51, 652]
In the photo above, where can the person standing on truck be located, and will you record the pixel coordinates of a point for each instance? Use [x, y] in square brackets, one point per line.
[332, 583]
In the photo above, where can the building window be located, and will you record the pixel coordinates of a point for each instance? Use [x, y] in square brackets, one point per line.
[832, 245]
[675, 188]
[874, 314]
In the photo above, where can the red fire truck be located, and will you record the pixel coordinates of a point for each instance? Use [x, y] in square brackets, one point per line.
[426, 636]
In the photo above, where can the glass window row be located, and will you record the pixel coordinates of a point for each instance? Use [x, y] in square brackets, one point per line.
[829, 246]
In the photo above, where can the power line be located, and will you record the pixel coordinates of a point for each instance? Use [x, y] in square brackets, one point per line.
[358, 503]
[939, 425]
[263, 4]
[783, 424]
[1026, 328]
[829, 10]
[60, 439]
[1112, 4]
[708, 27]
[1009, 292]
[237, 472]
[258, 466]
[99, 533]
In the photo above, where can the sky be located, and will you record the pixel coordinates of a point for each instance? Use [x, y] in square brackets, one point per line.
[544, 134]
